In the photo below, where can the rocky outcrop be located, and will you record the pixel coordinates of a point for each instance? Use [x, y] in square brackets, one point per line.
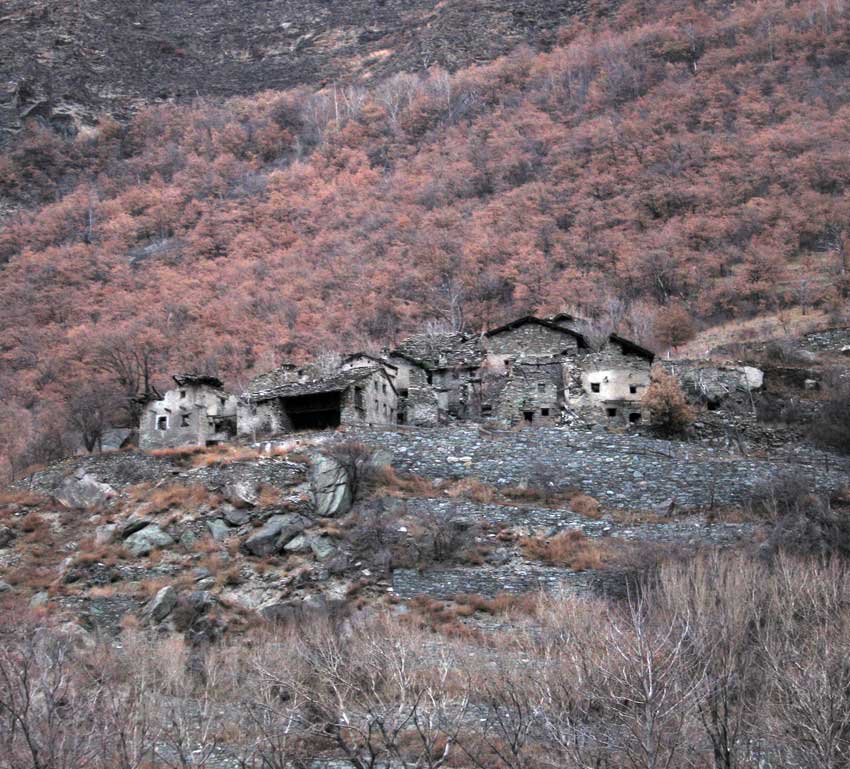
[274, 534]
[162, 604]
[83, 490]
[331, 486]
[147, 539]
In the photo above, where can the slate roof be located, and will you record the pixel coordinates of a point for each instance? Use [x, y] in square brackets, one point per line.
[338, 382]
[540, 322]
[375, 358]
[197, 380]
[437, 351]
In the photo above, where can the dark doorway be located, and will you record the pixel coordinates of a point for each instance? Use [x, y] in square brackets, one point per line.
[634, 417]
[312, 412]
[528, 416]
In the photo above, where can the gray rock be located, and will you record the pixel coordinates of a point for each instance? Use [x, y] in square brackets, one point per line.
[4, 586]
[39, 599]
[7, 536]
[242, 493]
[322, 547]
[219, 529]
[105, 534]
[188, 539]
[276, 532]
[236, 517]
[145, 540]
[162, 603]
[665, 508]
[83, 491]
[299, 544]
[207, 583]
[330, 485]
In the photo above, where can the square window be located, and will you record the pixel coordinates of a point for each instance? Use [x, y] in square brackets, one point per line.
[594, 387]
[544, 412]
[611, 412]
[541, 387]
[162, 423]
[632, 389]
[528, 416]
[486, 410]
[184, 420]
[182, 393]
[634, 417]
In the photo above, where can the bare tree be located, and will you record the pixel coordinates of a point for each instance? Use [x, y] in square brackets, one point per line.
[91, 410]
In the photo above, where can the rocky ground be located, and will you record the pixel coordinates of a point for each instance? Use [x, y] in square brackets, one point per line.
[66, 63]
[208, 541]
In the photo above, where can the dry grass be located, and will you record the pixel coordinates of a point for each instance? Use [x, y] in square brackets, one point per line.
[474, 490]
[269, 496]
[160, 500]
[22, 498]
[572, 549]
[389, 482]
[585, 505]
[503, 604]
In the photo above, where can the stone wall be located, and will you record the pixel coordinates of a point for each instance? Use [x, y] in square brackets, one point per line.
[612, 383]
[531, 394]
[370, 401]
[624, 472]
[529, 339]
[190, 415]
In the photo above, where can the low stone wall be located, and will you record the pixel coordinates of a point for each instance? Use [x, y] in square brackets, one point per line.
[622, 471]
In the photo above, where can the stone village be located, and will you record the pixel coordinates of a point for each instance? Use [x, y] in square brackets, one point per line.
[530, 372]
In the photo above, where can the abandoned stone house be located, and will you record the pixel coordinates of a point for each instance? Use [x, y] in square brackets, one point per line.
[363, 395]
[531, 371]
[197, 412]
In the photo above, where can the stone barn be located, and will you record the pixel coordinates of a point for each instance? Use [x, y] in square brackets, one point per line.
[531, 393]
[197, 412]
[358, 396]
[614, 380]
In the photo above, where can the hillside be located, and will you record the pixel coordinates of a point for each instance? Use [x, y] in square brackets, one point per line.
[68, 63]
[665, 169]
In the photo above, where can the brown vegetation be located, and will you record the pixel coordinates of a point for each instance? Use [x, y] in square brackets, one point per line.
[572, 549]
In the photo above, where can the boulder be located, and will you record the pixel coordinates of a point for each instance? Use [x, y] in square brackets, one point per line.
[330, 486]
[145, 540]
[4, 586]
[7, 536]
[218, 529]
[242, 493]
[105, 534]
[753, 377]
[276, 532]
[665, 508]
[322, 547]
[299, 544]
[82, 491]
[236, 517]
[162, 603]
[39, 599]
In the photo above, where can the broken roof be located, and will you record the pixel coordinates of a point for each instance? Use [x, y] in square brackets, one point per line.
[628, 346]
[436, 351]
[377, 359]
[197, 380]
[338, 382]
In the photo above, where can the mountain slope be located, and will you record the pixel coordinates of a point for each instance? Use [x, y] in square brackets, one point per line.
[68, 61]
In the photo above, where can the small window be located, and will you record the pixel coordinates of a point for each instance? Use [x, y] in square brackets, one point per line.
[544, 412]
[507, 363]
[400, 418]
[611, 412]
[182, 393]
[402, 393]
[528, 416]
[594, 387]
[541, 387]
[633, 389]
[430, 377]
[486, 410]
[634, 417]
[222, 401]
[384, 389]
[184, 420]
[358, 398]
[162, 423]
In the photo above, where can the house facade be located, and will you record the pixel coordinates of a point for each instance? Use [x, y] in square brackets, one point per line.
[197, 412]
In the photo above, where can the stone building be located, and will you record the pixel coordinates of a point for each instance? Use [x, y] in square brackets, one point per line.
[614, 380]
[362, 395]
[438, 377]
[531, 393]
[198, 412]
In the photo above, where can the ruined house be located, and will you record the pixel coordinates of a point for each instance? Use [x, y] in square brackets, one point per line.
[197, 412]
[437, 377]
[362, 395]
